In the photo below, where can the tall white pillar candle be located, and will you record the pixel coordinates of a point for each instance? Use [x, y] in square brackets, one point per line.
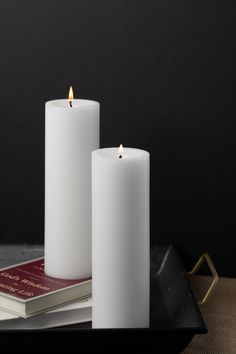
[72, 133]
[120, 238]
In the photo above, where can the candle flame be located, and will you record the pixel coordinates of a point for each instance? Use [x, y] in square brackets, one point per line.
[71, 94]
[121, 151]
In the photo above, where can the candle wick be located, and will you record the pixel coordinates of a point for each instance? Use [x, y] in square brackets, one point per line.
[70, 102]
[120, 157]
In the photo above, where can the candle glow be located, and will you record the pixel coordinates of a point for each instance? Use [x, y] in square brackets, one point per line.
[121, 151]
[70, 96]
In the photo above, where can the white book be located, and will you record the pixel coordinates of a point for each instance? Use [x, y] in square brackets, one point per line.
[76, 312]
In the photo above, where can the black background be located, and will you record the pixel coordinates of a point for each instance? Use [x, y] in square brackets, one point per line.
[165, 74]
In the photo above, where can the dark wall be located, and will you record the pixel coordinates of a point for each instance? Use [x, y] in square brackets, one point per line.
[165, 74]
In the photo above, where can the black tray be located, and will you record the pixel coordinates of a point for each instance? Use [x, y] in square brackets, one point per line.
[175, 316]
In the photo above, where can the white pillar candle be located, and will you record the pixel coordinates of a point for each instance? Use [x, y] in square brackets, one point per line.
[72, 133]
[120, 238]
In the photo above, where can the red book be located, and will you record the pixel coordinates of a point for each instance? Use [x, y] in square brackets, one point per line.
[26, 290]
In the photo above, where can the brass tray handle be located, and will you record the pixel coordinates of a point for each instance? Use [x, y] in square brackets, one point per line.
[206, 258]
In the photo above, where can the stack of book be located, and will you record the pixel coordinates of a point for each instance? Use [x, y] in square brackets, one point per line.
[29, 299]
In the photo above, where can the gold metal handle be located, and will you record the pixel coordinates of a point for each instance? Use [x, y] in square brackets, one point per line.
[206, 258]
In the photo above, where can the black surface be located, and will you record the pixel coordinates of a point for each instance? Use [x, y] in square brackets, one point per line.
[165, 74]
[175, 317]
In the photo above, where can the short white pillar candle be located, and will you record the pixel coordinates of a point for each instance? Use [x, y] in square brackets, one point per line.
[120, 238]
[72, 133]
